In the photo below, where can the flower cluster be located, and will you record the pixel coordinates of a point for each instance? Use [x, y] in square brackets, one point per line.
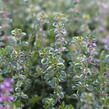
[6, 87]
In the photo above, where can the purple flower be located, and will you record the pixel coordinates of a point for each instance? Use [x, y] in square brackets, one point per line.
[106, 40]
[5, 107]
[4, 38]
[78, 1]
[7, 84]
[1, 107]
[2, 44]
[10, 89]
[2, 86]
[102, 28]
[5, 96]
[1, 99]
[10, 98]
[9, 80]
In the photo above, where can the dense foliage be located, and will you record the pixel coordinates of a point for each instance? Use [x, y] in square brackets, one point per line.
[54, 54]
